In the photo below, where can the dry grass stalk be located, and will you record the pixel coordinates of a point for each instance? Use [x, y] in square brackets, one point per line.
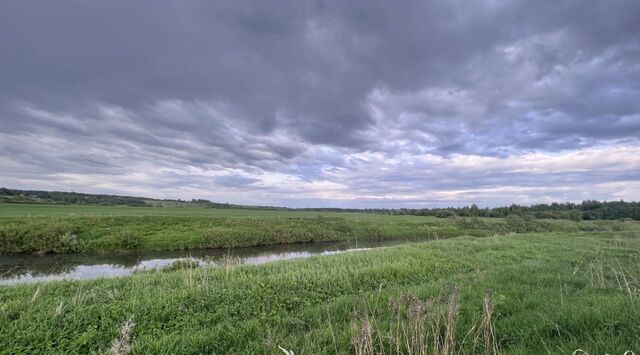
[623, 279]
[394, 337]
[121, 345]
[36, 294]
[229, 262]
[433, 317]
[487, 327]
[79, 296]
[596, 273]
[416, 327]
[421, 328]
[450, 326]
[362, 334]
[285, 351]
[627, 286]
[59, 309]
[582, 352]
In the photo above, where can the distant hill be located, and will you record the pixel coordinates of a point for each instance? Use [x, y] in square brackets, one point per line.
[77, 198]
[71, 198]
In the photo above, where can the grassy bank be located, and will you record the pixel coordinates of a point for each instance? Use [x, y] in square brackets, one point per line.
[45, 229]
[524, 294]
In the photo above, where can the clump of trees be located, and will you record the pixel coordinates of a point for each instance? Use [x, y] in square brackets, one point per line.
[209, 204]
[587, 210]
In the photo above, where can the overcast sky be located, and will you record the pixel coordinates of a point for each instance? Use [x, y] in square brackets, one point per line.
[323, 103]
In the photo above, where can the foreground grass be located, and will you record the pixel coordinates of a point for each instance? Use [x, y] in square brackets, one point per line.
[550, 292]
[96, 231]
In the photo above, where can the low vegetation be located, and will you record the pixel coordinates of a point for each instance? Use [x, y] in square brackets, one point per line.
[32, 229]
[528, 293]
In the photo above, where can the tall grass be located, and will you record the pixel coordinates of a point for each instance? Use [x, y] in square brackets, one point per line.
[119, 233]
[418, 327]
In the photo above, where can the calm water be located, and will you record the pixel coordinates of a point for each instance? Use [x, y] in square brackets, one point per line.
[33, 268]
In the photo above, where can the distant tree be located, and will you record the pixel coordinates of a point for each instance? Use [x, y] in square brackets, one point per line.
[575, 215]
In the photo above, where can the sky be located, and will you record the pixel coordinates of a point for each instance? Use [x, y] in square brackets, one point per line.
[323, 103]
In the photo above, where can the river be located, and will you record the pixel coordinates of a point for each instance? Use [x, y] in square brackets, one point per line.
[17, 269]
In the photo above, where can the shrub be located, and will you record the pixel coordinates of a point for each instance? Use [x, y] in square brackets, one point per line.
[471, 223]
[516, 224]
[182, 264]
[126, 240]
[39, 238]
[445, 214]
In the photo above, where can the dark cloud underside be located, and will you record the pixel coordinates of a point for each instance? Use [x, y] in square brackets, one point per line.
[294, 101]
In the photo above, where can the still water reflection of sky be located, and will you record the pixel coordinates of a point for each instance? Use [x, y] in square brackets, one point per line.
[35, 268]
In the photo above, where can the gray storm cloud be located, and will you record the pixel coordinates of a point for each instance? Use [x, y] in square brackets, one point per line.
[360, 103]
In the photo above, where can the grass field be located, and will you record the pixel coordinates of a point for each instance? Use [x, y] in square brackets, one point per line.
[70, 229]
[519, 294]
[35, 210]
[514, 285]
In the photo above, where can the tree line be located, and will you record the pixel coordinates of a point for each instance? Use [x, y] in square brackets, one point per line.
[586, 210]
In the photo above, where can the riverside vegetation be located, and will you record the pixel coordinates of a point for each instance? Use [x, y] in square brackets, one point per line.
[70, 229]
[515, 285]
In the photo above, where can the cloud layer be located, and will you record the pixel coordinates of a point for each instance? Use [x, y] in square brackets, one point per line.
[309, 103]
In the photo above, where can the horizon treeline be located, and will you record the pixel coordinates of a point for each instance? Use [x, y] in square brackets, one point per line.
[68, 198]
[586, 210]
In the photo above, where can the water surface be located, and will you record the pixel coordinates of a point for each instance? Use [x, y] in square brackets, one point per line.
[34, 268]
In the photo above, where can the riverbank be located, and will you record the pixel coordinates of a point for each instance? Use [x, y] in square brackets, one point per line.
[549, 292]
[94, 230]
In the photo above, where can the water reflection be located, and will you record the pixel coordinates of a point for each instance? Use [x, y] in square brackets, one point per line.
[32, 268]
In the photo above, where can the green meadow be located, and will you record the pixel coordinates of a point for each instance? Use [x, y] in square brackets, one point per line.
[49, 210]
[532, 293]
[473, 286]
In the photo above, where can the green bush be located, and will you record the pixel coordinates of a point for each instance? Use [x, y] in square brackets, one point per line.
[182, 264]
[126, 239]
[471, 223]
[38, 238]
